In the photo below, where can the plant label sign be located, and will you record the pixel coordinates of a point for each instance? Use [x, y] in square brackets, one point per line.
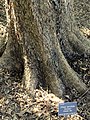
[68, 108]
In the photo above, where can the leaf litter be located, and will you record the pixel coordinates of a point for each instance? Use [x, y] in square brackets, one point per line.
[19, 104]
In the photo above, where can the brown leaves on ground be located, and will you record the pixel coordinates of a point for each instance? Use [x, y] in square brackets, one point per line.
[18, 104]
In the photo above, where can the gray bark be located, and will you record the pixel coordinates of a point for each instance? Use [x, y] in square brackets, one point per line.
[70, 31]
[11, 62]
[35, 31]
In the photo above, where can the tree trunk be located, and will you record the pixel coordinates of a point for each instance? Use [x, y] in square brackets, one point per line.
[36, 32]
[11, 61]
[70, 31]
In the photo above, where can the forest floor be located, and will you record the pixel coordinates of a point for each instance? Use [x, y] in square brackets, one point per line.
[18, 104]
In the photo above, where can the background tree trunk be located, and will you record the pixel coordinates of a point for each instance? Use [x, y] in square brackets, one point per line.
[11, 62]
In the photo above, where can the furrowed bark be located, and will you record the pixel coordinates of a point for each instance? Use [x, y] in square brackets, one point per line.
[39, 30]
[41, 47]
[70, 29]
[11, 62]
[32, 26]
[47, 29]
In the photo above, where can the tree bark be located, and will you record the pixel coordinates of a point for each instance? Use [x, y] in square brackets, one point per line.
[36, 31]
[69, 29]
[11, 62]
